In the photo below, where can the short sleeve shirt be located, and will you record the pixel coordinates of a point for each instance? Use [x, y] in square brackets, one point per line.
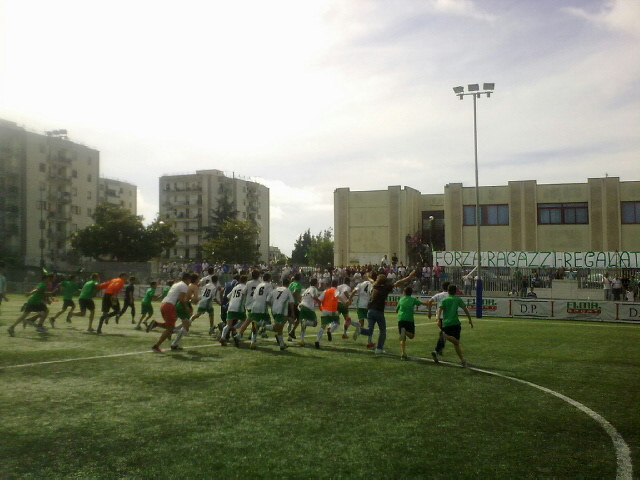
[406, 306]
[450, 307]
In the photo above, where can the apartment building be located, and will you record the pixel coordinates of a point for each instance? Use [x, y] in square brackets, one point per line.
[119, 193]
[601, 215]
[48, 191]
[190, 199]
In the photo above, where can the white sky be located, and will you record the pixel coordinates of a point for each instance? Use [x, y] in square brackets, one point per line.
[309, 96]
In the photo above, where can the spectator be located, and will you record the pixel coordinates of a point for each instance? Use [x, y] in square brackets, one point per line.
[616, 287]
[606, 285]
[531, 293]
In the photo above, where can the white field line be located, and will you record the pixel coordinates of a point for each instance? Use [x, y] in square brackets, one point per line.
[623, 455]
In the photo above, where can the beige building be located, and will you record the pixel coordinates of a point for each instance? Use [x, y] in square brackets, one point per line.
[602, 214]
[189, 199]
[48, 191]
[117, 192]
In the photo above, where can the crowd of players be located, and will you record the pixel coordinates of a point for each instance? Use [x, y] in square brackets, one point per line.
[252, 301]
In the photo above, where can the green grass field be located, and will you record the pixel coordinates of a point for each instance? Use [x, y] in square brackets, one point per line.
[339, 412]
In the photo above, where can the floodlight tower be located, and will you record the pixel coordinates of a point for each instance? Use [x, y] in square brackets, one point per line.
[475, 92]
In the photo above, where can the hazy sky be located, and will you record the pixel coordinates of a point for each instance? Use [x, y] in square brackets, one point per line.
[309, 96]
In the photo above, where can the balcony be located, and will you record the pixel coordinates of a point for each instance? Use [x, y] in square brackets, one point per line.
[59, 159]
[60, 197]
[59, 179]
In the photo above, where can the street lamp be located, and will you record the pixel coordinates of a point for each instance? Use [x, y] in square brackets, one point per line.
[475, 91]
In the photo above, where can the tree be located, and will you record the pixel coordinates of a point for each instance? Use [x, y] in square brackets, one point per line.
[235, 241]
[225, 210]
[118, 233]
[321, 248]
[300, 254]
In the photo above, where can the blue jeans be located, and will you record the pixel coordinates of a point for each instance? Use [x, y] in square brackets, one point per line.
[373, 317]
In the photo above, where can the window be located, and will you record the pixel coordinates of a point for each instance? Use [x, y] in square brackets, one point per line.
[630, 212]
[43, 167]
[563, 213]
[489, 214]
[74, 191]
[76, 209]
[89, 195]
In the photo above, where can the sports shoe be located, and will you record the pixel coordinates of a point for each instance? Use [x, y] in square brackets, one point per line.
[404, 357]
[379, 351]
[11, 331]
[133, 321]
[356, 334]
[156, 349]
[176, 347]
[41, 328]
[264, 335]
[212, 330]
[329, 335]
[99, 332]
[345, 336]
[253, 346]
[52, 321]
[151, 326]
[371, 345]
[138, 327]
[434, 354]
[90, 329]
[284, 347]
[318, 345]
[68, 318]
[301, 342]
[463, 363]
[292, 335]
[236, 341]
[223, 341]
[117, 318]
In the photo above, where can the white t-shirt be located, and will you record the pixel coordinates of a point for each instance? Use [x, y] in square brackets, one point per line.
[364, 293]
[437, 298]
[307, 297]
[260, 295]
[237, 297]
[251, 287]
[279, 299]
[342, 292]
[174, 292]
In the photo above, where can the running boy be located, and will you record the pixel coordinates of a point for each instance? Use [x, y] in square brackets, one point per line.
[449, 322]
[406, 323]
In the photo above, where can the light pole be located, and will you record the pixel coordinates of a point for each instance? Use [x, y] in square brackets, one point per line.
[475, 92]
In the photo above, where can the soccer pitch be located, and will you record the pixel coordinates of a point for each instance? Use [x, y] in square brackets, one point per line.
[540, 398]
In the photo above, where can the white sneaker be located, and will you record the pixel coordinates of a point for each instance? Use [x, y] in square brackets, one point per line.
[356, 333]
[379, 350]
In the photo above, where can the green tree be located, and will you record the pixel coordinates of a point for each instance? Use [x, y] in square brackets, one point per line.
[321, 248]
[233, 242]
[225, 210]
[118, 233]
[300, 254]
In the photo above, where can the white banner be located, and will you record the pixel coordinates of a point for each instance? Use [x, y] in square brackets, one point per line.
[540, 259]
[599, 311]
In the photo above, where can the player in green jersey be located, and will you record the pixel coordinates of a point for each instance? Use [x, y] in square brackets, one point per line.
[145, 306]
[449, 322]
[406, 322]
[36, 303]
[70, 288]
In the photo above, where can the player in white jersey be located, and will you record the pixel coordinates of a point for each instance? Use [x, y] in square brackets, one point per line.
[308, 302]
[177, 294]
[435, 300]
[207, 294]
[252, 285]
[363, 290]
[282, 307]
[343, 293]
[259, 313]
[236, 312]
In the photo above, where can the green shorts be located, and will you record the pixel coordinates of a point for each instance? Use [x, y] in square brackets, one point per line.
[260, 317]
[147, 309]
[307, 314]
[206, 309]
[279, 318]
[328, 319]
[343, 310]
[362, 313]
[236, 315]
[182, 312]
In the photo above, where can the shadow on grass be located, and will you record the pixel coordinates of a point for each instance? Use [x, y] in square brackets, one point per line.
[192, 356]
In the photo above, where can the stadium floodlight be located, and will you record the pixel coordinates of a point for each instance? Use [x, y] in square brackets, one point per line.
[474, 91]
